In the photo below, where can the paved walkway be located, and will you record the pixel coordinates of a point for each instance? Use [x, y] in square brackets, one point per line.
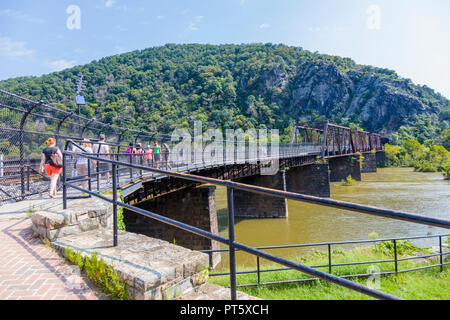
[29, 270]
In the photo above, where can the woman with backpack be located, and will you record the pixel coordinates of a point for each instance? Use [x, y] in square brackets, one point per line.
[51, 162]
[130, 150]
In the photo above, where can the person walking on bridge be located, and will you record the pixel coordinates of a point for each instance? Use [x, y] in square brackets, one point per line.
[140, 154]
[51, 163]
[157, 154]
[130, 150]
[149, 155]
[166, 156]
[102, 151]
[81, 163]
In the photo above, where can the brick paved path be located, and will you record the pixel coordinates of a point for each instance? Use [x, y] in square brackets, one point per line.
[29, 270]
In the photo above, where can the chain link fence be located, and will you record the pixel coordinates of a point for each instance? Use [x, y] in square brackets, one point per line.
[25, 126]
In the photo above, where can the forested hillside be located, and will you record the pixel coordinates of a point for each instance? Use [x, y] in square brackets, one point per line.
[230, 86]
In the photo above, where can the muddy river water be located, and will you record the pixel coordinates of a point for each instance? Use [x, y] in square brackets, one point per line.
[390, 188]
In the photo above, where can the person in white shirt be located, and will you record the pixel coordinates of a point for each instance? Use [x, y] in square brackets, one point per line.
[102, 150]
[81, 163]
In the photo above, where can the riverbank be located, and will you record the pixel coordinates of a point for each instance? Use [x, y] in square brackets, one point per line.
[425, 284]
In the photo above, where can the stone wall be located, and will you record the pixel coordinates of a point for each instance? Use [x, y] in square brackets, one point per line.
[152, 268]
[255, 206]
[342, 167]
[81, 216]
[313, 180]
[195, 206]
[369, 163]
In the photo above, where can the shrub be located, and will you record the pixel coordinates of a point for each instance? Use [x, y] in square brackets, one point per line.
[404, 248]
[101, 274]
[349, 181]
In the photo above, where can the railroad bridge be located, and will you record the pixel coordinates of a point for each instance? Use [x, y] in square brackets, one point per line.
[316, 155]
[314, 158]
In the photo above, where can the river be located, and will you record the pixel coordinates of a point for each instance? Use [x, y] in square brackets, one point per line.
[391, 188]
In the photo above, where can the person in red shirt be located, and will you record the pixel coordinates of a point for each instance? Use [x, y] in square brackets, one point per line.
[149, 155]
[48, 166]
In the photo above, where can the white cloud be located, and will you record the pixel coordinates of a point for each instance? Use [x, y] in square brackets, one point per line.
[114, 5]
[160, 17]
[14, 49]
[120, 49]
[58, 65]
[120, 28]
[193, 26]
[19, 15]
[109, 3]
[264, 26]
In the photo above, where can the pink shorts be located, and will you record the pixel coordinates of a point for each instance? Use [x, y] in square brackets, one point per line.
[51, 170]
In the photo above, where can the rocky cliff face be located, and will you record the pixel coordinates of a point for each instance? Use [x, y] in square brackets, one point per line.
[382, 103]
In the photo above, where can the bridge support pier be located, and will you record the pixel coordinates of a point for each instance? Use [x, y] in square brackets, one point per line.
[195, 206]
[380, 159]
[313, 180]
[256, 206]
[342, 167]
[369, 163]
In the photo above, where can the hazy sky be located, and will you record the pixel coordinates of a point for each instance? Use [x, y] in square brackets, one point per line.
[411, 37]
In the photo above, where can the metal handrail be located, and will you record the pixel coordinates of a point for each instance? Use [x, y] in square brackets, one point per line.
[232, 244]
[258, 271]
[318, 244]
[394, 214]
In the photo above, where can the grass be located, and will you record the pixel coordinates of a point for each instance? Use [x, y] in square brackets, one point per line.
[30, 211]
[427, 284]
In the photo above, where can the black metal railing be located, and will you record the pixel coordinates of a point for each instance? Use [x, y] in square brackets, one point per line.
[330, 265]
[230, 242]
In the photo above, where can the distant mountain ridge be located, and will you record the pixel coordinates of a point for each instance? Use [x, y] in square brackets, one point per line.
[230, 86]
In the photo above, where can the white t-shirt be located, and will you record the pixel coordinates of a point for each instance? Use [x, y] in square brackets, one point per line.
[104, 148]
[82, 160]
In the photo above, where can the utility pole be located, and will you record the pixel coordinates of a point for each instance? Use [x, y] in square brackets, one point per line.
[79, 100]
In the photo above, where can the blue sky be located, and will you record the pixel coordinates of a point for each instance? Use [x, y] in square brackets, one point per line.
[409, 36]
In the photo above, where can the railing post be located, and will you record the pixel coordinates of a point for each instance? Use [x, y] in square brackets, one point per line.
[395, 256]
[329, 258]
[64, 182]
[1, 165]
[114, 182]
[259, 274]
[28, 176]
[131, 169]
[325, 139]
[89, 175]
[231, 238]
[118, 170]
[141, 159]
[97, 169]
[440, 252]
